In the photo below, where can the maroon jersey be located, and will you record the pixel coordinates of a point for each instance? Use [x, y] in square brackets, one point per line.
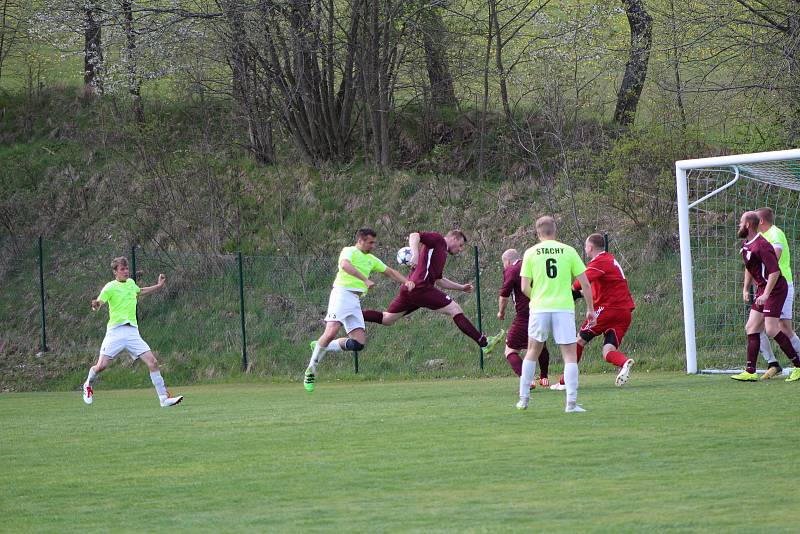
[760, 260]
[609, 286]
[512, 287]
[432, 257]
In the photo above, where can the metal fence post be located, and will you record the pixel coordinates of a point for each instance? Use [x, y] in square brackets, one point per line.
[43, 345]
[355, 360]
[478, 294]
[241, 311]
[133, 262]
[605, 241]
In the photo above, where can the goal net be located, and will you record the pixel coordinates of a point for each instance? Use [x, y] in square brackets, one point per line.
[712, 194]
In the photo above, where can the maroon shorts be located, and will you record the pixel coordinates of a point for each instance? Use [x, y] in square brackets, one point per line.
[517, 337]
[774, 304]
[606, 320]
[420, 297]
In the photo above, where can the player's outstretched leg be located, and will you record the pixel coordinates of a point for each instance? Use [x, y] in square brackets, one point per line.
[164, 398]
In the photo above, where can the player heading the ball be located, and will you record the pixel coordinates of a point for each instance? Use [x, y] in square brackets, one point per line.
[352, 282]
[122, 331]
[429, 255]
[548, 269]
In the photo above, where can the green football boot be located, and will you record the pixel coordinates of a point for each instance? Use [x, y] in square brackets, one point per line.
[308, 380]
[795, 376]
[492, 341]
[744, 376]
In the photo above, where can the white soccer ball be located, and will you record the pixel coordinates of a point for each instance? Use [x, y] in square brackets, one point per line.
[404, 256]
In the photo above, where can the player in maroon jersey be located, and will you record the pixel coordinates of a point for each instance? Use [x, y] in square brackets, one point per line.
[761, 263]
[429, 252]
[517, 339]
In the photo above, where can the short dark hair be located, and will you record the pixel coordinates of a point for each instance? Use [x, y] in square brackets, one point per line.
[457, 233]
[116, 262]
[364, 233]
[597, 241]
[767, 214]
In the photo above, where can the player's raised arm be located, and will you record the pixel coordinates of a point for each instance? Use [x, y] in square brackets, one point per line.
[398, 277]
[413, 244]
[444, 283]
[149, 289]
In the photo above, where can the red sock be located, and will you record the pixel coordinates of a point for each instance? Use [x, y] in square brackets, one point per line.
[580, 351]
[372, 316]
[544, 362]
[465, 326]
[515, 362]
[616, 358]
[786, 346]
[753, 343]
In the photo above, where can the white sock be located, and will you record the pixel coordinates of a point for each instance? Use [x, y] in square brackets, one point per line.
[526, 378]
[158, 382]
[91, 377]
[334, 346]
[766, 348]
[316, 357]
[795, 343]
[571, 381]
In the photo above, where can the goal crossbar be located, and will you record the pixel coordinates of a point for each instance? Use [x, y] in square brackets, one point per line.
[740, 164]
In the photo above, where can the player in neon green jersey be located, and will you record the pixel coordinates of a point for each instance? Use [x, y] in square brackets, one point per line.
[777, 239]
[352, 282]
[122, 330]
[548, 269]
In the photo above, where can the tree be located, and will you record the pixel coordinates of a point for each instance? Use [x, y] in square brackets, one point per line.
[630, 91]
[93, 47]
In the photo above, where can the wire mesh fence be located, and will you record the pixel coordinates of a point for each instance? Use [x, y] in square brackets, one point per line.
[219, 314]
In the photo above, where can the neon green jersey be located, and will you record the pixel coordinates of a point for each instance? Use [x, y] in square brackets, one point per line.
[121, 298]
[551, 266]
[364, 263]
[778, 240]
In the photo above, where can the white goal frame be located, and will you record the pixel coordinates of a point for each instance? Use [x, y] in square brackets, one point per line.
[681, 167]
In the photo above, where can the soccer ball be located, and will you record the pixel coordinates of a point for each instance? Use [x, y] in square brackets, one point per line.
[404, 256]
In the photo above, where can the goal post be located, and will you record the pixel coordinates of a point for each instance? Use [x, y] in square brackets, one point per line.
[711, 195]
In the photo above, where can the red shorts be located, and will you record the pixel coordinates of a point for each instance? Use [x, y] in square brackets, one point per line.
[420, 297]
[606, 320]
[517, 337]
[774, 304]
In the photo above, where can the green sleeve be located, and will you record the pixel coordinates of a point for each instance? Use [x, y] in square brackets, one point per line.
[578, 268]
[377, 264]
[105, 293]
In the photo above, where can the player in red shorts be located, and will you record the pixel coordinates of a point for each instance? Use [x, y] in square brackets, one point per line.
[429, 252]
[613, 306]
[517, 339]
[760, 261]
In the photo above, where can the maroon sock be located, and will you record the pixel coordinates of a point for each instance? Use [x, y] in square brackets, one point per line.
[786, 346]
[465, 326]
[515, 362]
[544, 362]
[580, 351]
[617, 358]
[753, 342]
[372, 316]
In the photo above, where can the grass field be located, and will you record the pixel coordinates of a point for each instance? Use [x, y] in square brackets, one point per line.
[666, 453]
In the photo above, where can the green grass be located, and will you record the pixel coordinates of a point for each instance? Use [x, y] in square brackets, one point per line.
[666, 453]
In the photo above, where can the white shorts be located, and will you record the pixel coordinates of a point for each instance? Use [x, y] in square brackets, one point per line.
[560, 324]
[123, 337]
[344, 306]
[786, 311]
